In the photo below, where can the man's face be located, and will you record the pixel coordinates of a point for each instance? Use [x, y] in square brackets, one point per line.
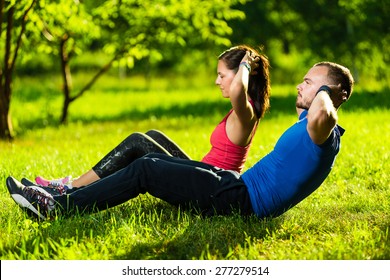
[313, 80]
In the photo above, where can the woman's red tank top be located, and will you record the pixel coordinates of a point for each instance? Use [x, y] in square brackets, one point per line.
[223, 153]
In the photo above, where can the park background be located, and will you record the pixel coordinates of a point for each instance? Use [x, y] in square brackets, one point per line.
[78, 76]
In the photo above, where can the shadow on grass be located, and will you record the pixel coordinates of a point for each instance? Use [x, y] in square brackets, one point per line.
[204, 238]
[207, 238]
[280, 105]
[201, 237]
[172, 234]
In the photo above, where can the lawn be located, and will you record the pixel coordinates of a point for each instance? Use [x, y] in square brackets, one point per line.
[348, 217]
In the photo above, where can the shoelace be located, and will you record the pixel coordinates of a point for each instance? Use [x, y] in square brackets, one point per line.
[58, 186]
[41, 198]
[56, 182]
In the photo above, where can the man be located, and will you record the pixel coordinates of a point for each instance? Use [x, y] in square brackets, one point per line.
[301, 160]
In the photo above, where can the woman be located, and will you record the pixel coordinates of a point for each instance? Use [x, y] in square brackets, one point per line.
[243, 77]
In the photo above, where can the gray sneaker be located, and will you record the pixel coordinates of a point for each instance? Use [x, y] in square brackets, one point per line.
[38, 202]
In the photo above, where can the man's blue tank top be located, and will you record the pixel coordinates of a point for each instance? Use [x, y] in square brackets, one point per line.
[293, 170]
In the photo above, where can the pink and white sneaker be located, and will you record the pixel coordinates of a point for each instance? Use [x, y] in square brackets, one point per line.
[66, 181]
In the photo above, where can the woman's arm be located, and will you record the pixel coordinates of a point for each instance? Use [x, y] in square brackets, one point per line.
[242, 121]
[239, 91]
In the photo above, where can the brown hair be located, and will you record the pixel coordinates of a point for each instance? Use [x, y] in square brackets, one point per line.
[259, 87]
[339, 74]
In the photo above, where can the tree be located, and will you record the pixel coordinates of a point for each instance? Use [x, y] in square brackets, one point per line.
[127, 30]
[14, 17]
[69, 30]
[131, 30]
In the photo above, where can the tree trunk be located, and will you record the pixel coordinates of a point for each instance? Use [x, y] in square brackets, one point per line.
[66, 77]
[65, 108]
[6, 130]
[10, 56]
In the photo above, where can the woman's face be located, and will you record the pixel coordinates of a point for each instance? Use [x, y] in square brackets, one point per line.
[225, 77]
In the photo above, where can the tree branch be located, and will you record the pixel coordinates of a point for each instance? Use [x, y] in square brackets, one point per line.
[7, 55]
[19, 41]
[103, 70]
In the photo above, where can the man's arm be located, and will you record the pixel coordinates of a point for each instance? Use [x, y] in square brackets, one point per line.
[321, 117]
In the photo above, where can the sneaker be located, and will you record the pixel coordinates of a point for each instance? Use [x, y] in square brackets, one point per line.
[28, 182]
[61, 181]
[52, 189]
[34, 199]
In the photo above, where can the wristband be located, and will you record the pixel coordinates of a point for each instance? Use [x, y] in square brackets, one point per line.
[324, 88]
[246, 64]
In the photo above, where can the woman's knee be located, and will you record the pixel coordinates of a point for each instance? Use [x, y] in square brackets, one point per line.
[155, 133]
[135, 136]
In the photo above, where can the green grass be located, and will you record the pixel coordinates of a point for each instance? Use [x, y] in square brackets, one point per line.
[348, 217]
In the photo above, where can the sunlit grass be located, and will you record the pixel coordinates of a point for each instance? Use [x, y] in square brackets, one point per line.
[348, 217]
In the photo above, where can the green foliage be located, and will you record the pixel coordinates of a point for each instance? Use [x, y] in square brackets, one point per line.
[127, 31]
[165, 34]
[160, 29]
[346, 218]
[353, 33]
[66, 18]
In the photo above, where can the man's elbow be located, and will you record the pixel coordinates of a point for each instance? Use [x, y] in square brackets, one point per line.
[321, 124]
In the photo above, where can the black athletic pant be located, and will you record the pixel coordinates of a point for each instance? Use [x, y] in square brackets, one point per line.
[186, 183]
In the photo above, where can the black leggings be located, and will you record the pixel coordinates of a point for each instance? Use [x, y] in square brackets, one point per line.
[135, 146]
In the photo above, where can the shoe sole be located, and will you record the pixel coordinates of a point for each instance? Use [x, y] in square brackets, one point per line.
[24, 203]
[19, 199]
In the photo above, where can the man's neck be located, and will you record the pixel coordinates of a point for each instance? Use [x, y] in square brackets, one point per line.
[299, 111]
